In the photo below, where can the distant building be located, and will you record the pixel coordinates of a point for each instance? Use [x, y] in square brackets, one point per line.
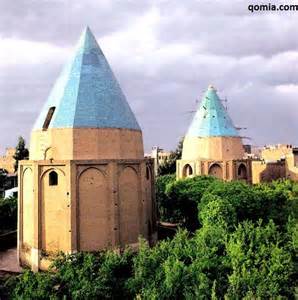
[212, 144]
[7, 164]
[159, 156]
[276, 161]
[7, 161]
[87, 185]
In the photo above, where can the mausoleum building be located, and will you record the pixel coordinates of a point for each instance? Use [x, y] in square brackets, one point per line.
[212, 144]
[86, 185]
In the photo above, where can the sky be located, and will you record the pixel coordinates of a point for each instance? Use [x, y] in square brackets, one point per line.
[164, 54]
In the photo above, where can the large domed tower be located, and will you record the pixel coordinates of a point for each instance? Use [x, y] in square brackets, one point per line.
[87, 185]
[212, 145]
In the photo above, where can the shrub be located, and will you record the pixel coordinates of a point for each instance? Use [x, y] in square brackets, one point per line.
[217, 211]
[184, 195]
[261, 263]
[276, 201]
[233, 255]
[165, 208]
[37, 286]
[8, 213]
[101, 275]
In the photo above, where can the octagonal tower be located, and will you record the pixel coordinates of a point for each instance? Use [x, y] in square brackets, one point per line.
[212, 144]
[87, 186]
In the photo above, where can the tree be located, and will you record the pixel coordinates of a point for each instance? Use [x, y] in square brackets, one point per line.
[277, 200]
[232, 255]
[169, 166]
[21, 152]
[3, 176]
[218, 211]
[101, 275]
[184, 196]
[164, 206]
[261, 263]
[8, 213]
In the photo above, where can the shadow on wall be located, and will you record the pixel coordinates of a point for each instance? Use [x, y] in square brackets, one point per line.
[273, 171]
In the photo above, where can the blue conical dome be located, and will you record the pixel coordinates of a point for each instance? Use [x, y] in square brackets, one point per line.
[87, 94]
[211, 119]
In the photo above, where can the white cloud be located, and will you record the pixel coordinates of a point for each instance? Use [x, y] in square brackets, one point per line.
[15, 51]
[164, 53]
[287, 89]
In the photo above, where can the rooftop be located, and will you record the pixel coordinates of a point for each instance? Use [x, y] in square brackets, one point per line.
[211, 118]
[87, 94]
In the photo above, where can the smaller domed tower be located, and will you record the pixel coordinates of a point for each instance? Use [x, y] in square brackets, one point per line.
[87, 185]
[212, 145]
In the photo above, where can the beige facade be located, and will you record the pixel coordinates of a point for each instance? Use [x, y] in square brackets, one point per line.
[223, 169]
[83, 204]
[221, 157]
[275, 152]
[86, 143]
[276, 162]
[7, 161]
[212, 148]
[212, 145]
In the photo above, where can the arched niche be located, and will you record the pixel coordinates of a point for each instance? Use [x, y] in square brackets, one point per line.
[187, 171]
[93, 218]
[149, 203]
[129, 206]
[242, 172]
[49, 153]
[215, 170]
[27, 207]
[55, 212]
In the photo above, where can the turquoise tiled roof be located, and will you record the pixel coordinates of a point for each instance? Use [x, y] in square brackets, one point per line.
[211, 119]
[87, 94]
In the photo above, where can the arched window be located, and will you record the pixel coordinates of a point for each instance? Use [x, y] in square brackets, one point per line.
[187, 171]
[53, 178]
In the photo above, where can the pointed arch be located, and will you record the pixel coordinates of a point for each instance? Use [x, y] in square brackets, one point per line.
[55, 213]
[242, 172]
[187, 171]
[129, 206]
[94, 229]
[215, 170]
[27, 207]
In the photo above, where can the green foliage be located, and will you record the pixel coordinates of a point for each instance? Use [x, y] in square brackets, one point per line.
[169, 166]
[101, 275]
[261, 264]
[182, 198]
[21, 152]
[245, 248]
[165, 271]
[165, 208]
[3, 177]
[217, 211]
[8, 213]
[276, 201]
[92, 276]
[37, 286]
[240, 195]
